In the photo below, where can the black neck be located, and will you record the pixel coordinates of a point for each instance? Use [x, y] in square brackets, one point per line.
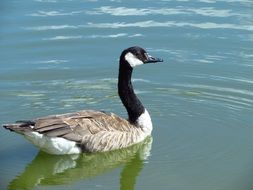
[131, 102]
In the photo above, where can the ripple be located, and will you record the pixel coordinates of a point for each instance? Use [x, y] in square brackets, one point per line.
[145, 24]
[52, 61]
[69, 93]
[51, 27]
[108, 36]
[203, 61]
[152, 23]
[125, 11]
[227, 1]
[119, 35]
[29, 94]
[229, 97]
[46, 1]
[216, 88]
[53, 13]
[63, 38]
[222, 78]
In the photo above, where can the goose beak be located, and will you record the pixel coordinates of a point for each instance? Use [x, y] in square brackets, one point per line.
[151, 59]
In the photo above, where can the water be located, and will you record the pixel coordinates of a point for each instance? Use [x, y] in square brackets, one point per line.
[62, 56]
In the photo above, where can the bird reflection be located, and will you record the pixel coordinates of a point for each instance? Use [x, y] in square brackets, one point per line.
[51, 170]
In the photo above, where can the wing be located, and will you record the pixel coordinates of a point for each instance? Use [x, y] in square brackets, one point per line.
[92, 130]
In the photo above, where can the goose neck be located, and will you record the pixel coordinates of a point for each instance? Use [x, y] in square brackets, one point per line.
[126, 93]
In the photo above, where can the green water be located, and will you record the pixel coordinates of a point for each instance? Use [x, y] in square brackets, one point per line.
[62, 56]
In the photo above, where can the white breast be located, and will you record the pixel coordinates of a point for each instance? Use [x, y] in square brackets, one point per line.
[144, 121]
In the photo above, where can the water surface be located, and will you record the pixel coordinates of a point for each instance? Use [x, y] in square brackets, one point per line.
[62, 56]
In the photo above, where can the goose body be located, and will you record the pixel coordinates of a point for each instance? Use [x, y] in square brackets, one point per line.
[94, 131]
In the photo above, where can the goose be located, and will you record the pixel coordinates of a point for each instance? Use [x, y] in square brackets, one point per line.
[94, 131]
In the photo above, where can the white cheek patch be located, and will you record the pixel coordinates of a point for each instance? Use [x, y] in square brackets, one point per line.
[132, 59]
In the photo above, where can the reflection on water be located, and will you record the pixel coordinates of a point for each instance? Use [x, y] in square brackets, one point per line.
[51, 170]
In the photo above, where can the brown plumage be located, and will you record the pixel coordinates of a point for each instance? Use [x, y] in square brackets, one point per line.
[93, 131]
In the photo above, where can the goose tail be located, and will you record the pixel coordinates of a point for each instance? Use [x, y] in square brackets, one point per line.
[20, 126]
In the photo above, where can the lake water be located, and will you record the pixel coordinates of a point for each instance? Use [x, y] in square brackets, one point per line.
[61, 56]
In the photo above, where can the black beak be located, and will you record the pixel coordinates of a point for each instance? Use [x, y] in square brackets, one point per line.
[151, 59]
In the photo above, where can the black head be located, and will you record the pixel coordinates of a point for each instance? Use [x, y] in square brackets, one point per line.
[137, 56]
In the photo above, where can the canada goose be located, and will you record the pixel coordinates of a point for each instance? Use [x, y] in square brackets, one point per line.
[95, 131]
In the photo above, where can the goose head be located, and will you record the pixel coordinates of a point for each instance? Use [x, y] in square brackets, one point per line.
[135, 56]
